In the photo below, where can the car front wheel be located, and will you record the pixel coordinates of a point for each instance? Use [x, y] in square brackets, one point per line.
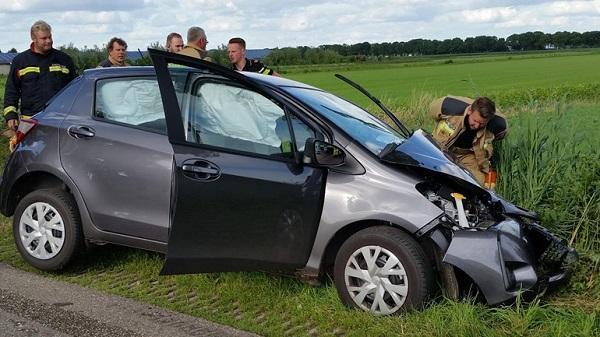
[382, 270]
[47, 229]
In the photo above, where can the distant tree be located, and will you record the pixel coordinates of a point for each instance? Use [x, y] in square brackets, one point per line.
[562, 39]
[591, 39]
[576, 39]
[89, 57]
[501, 45]
[450, 46]
[281, 56]
[483, 44]
[219, 55]
[398, 48]
[13, 50]
[363, 48]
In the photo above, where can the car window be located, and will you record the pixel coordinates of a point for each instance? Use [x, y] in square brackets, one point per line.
[302, 132]
[358, 123]
[223, 114]
[133, 101]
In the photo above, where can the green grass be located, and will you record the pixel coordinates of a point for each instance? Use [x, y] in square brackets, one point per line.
[552, 165]
[502, 78]
[426, 60]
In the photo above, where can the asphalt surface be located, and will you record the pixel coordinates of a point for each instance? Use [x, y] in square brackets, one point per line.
[31, 305]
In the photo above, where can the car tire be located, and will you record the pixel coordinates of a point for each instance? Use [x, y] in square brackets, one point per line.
[50, 242]
[384, 271]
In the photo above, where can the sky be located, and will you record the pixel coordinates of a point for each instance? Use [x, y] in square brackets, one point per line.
[274, 23]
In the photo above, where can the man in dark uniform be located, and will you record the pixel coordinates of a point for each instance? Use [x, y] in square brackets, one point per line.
[467, 128]
[117, 54]
[236, 50]
[35, 76]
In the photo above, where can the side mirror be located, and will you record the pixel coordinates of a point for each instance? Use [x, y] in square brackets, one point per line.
[321, 153]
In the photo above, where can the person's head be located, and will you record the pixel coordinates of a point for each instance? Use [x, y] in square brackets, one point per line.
[174, 42]
[41, 37]
[236, 50]
[480, 112]
[197, 37]
[117, 49]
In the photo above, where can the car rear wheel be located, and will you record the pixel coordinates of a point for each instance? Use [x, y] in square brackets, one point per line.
[384, 271]
[47, 229]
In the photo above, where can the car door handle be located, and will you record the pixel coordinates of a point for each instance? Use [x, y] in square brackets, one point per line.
[79, 131]
[200, 169]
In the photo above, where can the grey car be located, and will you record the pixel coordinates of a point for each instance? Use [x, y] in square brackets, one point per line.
[227, 171]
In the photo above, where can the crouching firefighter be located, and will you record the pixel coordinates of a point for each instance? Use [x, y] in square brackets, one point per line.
[466, 128]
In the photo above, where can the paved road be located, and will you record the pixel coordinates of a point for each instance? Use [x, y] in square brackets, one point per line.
[31, 305]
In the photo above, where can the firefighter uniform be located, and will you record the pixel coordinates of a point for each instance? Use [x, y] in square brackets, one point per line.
[193, 51]
[33, 79]
[255, 66]
[472, 148]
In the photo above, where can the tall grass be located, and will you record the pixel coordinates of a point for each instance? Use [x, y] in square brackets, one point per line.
[550, 163]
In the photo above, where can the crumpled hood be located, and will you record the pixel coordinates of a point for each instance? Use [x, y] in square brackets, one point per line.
[421, 150]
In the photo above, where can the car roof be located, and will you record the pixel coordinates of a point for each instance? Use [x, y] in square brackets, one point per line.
[98, 73]
[276, 81]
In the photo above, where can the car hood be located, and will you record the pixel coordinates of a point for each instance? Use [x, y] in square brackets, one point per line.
[422, 151]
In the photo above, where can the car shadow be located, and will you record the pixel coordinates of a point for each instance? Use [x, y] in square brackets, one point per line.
[101, 258]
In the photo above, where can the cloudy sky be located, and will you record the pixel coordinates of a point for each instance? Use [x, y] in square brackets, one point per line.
[274, 23]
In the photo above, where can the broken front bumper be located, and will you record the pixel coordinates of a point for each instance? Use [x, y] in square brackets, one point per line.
[509, 257]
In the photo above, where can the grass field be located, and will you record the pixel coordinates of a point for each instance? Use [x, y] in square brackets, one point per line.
[496, 79]
[426, 60]
[549, 162]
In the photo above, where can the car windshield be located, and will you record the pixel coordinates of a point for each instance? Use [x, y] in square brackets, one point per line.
[359, 124]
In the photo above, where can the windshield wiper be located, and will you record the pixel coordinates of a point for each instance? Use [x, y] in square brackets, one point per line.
[387, 150]
[399, 124]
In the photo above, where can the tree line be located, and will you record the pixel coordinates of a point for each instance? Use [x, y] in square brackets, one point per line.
[334, 53]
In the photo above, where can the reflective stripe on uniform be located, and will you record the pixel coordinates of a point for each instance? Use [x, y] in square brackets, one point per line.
[9, 109]
[263, 70]
[60, 68]
[444, 127]
[28, 70]
[486, 144]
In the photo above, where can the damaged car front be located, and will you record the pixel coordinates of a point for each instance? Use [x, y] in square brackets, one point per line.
[501, 247]
[412, 214]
